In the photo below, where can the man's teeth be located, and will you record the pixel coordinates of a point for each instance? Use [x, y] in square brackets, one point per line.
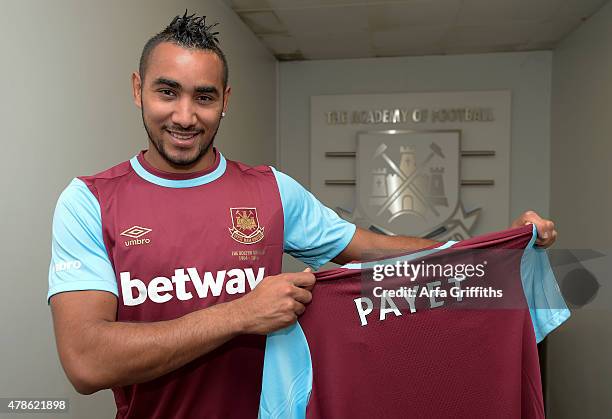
[182, 136]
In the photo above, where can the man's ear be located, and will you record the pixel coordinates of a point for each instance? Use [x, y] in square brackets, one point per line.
[137, 89]
[226, 95]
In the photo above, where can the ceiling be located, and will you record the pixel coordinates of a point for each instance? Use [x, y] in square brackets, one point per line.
[334, 29]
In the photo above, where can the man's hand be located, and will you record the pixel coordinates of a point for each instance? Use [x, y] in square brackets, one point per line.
[276, 302]
[545, 228]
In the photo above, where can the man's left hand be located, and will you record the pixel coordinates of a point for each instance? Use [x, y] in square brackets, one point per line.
[545, 228]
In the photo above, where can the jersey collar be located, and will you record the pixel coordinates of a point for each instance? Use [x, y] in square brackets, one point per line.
[178, 180]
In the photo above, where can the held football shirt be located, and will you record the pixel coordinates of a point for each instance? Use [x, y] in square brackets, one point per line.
[360, 353]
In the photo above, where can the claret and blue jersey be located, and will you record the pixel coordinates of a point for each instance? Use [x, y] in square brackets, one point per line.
[167, 244]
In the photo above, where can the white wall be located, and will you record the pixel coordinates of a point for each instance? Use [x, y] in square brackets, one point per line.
[65, 111]
[579, 364]
[527, 75]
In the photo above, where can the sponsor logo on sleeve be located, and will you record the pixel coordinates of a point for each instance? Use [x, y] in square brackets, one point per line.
[67, 265]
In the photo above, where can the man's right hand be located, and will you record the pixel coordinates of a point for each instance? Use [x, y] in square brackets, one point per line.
[276, 302]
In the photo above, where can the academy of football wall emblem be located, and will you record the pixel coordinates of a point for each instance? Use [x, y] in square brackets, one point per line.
[245, 226]
[408, 183]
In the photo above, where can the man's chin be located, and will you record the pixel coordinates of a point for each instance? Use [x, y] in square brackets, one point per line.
[181, 161]
[184, 158]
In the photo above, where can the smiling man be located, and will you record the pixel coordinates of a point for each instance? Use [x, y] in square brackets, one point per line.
[166, 269]
[185, 93]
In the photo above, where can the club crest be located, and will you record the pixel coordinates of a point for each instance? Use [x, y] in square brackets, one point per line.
[245, 226]
[408, 182]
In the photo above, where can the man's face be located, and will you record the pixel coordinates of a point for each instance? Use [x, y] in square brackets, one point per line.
[181, 98]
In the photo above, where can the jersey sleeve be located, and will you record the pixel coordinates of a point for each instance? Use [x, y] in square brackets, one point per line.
[79, 260]
[546, 304]
[314, 233]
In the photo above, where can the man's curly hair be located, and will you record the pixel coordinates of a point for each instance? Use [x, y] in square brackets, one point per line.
[188, 32]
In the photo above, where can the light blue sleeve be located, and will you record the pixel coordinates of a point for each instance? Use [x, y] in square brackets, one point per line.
[314, 233]
[546, 304]
[287, 375]
[79, 260]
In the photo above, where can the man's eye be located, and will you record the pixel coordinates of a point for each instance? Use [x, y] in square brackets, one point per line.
[204, 98]
[166, 92]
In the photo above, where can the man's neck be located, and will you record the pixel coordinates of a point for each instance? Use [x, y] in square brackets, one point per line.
[156, 160]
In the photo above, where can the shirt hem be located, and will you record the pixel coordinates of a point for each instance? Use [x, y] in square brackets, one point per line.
[336, 250]
[555, 321]
[82, 286]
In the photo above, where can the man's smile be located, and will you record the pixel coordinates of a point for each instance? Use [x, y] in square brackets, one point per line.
[183, 138]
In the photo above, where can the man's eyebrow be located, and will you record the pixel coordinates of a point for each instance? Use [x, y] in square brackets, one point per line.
[176, 85]
[206, 89]
[167, 82]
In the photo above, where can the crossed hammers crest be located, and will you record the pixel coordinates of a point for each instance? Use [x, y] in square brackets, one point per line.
[408, 181]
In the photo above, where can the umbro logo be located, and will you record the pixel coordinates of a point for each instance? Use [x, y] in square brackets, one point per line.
[135, 233]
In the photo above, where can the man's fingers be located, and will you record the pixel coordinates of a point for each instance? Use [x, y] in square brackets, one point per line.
[546, 238]
[299, 308]
[545, 228]
[308, 287]
[302, 295]
[302, 279]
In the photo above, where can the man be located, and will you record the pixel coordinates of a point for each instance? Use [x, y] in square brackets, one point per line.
[159, 253]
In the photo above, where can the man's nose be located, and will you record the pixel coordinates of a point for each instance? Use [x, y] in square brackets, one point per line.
[184, 114]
